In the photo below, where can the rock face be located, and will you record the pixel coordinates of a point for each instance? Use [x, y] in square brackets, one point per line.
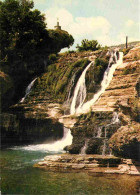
[113, 123]
[40, 116]
[95, 128]
[90, 163]
[121, 96]
[17, 129]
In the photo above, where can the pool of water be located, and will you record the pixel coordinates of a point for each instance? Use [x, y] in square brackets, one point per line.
[19, 177]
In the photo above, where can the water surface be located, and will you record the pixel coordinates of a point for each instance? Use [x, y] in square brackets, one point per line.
[19, 177]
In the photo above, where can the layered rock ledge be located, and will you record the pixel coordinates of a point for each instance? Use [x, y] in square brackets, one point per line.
[91, 163]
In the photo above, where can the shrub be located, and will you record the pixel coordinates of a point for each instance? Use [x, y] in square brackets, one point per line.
[99, 69]
[52, 57]
[87, 45]
[125, 51]
[128, 71]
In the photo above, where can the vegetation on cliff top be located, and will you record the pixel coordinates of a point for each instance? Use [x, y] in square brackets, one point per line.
[25, 42]
[87, 45]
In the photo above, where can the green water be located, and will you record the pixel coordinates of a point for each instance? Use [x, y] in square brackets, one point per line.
[19, 177]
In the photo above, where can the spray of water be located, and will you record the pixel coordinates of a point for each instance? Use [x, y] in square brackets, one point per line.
[54, 147]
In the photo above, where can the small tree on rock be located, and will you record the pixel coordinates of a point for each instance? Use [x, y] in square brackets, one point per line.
[87, 45]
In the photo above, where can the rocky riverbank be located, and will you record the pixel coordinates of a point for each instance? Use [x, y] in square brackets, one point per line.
[91, 163]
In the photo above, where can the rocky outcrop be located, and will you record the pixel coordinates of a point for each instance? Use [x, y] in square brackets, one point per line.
[98, 131]
[121, 96]
[39, 117]
[7, 91]
[126, 141]
[95, 128]
[17, 129]
[122, 89]
[90, 163]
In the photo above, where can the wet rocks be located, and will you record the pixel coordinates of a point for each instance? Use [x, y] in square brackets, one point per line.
[79, 161]
[87, 127]
[90, 163]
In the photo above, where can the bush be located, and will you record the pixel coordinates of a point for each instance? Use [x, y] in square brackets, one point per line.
[99, 68]
[87, 45]
[52, 57]
[128, 71]
[125, 51]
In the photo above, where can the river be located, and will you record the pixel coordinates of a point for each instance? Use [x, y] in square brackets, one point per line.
[19, 177]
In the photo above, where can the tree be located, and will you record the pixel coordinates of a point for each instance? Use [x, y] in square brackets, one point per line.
[60, 39]
[25, 42]
[87, 45]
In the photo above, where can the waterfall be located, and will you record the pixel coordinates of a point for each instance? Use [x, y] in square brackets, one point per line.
[115, 118]
[104, 84]
[79, 92]
[70, 90]
[56, 146]
[28, 90]
[83, 149]
[104, 146]
[99, 132]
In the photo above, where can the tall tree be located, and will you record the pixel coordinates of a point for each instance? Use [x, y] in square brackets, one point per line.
[25, 41]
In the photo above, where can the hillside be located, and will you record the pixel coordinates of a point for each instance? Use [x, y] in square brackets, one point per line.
[113, 121]
[115, 114]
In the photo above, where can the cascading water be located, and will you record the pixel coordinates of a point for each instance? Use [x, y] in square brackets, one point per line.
[28, 90]
[83, 108]
[104, 146]
[71, 86]
[54, 147]
[115, 118]
[99, 132]
[83, 149]
[79, 92]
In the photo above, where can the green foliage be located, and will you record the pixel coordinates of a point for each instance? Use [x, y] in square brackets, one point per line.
[23, 34]
[25, 42]
[67, 52]
[59, 39]
[61, 85]
[99, 69]
[87, 45]
[56, 79]
[52, 57]
[125, 51]
[128, 71]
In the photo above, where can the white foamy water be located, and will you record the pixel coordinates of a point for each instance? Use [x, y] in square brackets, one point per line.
[55, 147]
[115, 118]
[84, 148]
[28, 90]
[104, 84]
[80, 91]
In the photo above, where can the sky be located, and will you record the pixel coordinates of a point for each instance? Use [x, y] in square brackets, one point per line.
[107, 21]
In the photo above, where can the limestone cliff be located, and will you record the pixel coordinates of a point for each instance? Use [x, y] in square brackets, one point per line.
[36, 118]
[113, 123]
[121, 97]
